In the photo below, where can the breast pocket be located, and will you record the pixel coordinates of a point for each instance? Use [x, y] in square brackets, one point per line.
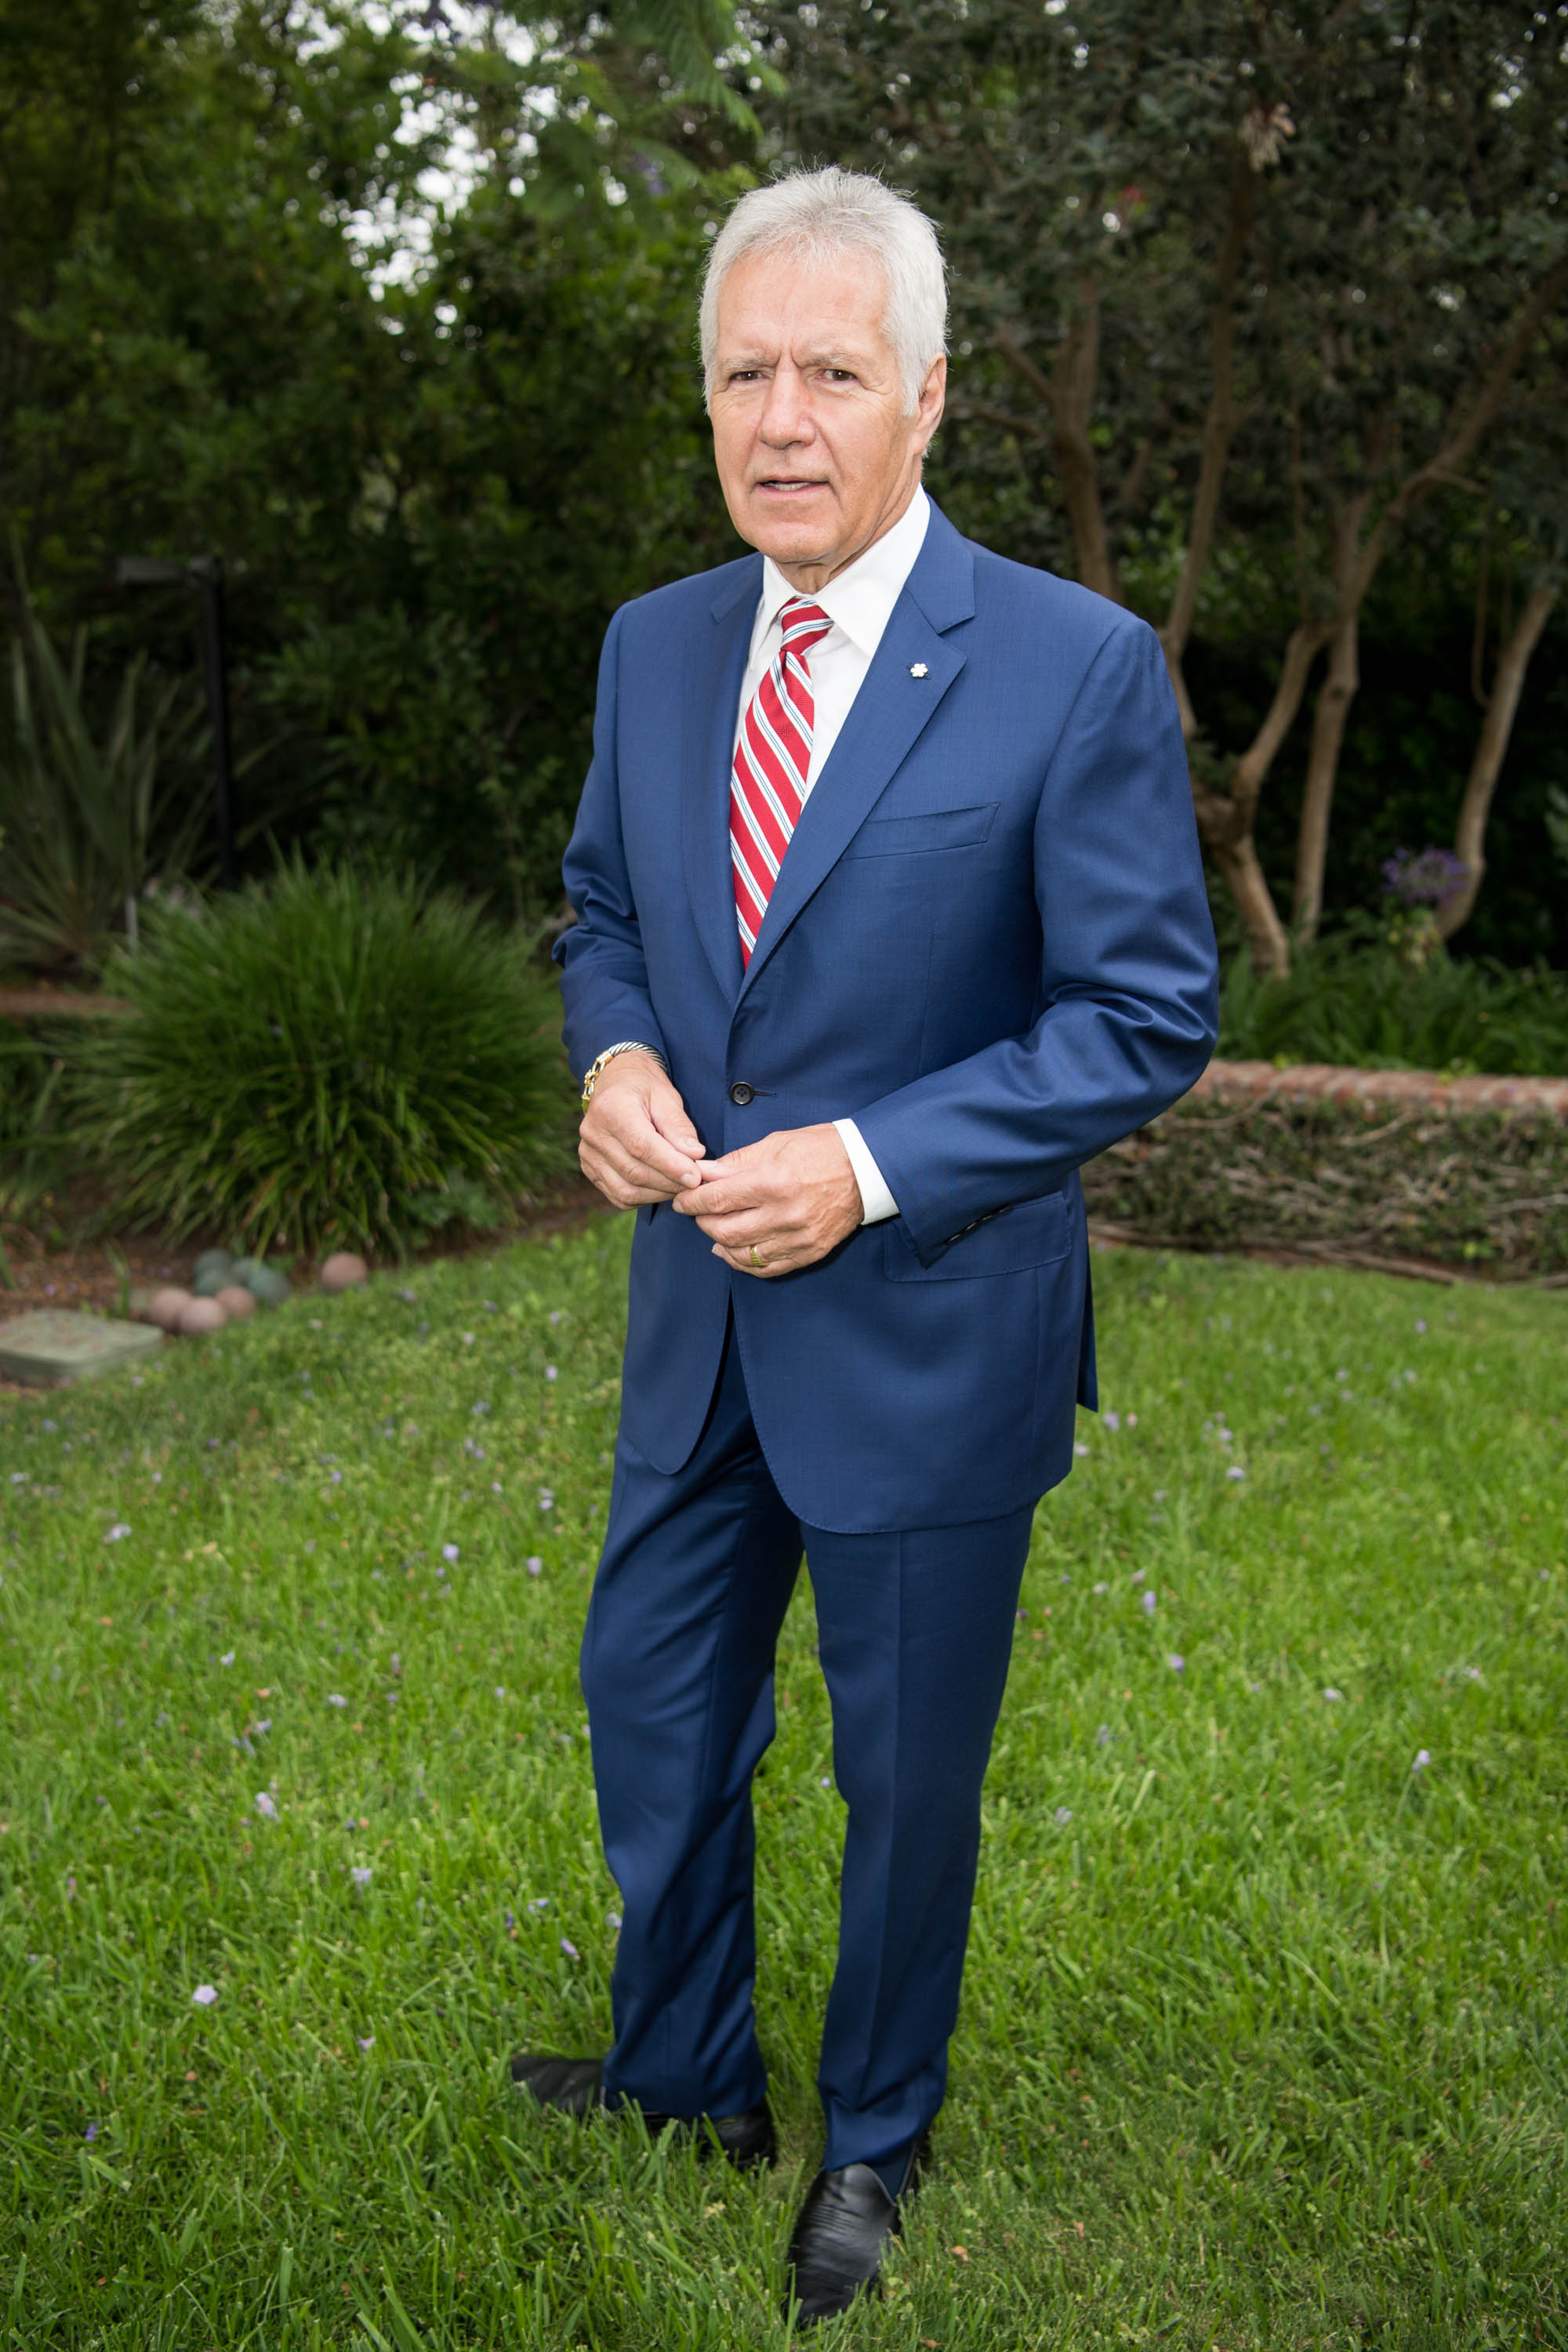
[901, 836]
[1033, 1233]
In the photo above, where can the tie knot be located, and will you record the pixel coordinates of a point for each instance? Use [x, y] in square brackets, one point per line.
[803, 624]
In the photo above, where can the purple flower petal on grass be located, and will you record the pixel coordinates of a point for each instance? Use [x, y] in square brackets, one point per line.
[92, 2131]
[336, 1698]
[1331, 1693]
[1112, 1420]
[1175, 1661]
[612, 1918]
[361, 1873]
[570, 1949]
[550, 1373]
[449, 1551]
[1150, 1604]
[265, 1806]
[117, 1533]
[366, 2040]
[1235, 1471]
[1423, 1757]
[535, 1566]
[205, 1996]
[227, 1658]
[1064, 1815]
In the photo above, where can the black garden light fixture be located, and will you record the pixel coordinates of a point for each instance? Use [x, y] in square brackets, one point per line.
[205, 573]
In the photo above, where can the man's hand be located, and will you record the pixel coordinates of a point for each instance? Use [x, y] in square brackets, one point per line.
[636, 1142]
[777, 1204]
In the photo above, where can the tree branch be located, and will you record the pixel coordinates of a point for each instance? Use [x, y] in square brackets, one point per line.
[1465, 430]
[1068, 394]
[1492, 744]
[1219, 424]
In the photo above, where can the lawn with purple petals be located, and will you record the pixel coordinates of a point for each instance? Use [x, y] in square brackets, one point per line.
[1265, 2036]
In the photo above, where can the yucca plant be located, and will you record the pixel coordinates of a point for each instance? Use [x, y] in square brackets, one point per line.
[89, 815]
[315, 1060]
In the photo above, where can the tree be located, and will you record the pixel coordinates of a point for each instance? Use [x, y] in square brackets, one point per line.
[1260, 283]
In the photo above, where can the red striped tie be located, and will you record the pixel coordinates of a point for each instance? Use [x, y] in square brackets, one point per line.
[773, 761]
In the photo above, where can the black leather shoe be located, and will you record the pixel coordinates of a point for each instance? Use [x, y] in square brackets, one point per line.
[575, 2086]
[841, 2236]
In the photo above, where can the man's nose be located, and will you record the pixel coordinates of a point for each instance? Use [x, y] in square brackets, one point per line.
[786, 414]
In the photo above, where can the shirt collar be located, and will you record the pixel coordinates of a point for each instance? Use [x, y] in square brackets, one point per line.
[860, 601]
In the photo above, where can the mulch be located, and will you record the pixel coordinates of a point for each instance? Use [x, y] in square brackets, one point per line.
[98, 1272]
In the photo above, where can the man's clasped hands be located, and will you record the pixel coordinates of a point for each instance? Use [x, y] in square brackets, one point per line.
[773, 1206]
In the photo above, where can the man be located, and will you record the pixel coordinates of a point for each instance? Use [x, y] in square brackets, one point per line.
[890, 915]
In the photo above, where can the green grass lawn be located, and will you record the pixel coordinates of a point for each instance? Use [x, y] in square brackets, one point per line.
[1264, 2034]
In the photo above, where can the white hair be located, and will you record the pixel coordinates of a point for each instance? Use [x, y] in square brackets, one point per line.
[818, 216]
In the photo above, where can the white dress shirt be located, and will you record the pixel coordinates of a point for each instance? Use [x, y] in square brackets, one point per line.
[860, 604]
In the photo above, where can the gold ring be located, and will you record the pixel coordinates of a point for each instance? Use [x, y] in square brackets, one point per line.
[756, 1258]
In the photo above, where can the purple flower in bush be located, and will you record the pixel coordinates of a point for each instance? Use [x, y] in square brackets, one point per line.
[1424, 881]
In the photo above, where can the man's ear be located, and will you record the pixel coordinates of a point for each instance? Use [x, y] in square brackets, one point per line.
[933, 399]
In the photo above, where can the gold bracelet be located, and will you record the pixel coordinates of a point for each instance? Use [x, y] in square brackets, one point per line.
[630, 1046]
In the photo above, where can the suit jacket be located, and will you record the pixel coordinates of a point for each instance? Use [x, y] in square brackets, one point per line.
[989, 944]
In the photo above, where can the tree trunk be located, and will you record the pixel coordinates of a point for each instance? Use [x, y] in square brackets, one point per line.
[1334, 698]
[1268, 943]
[1491, 745]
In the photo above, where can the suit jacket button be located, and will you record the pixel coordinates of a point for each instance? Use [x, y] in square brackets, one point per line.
[741, 1094]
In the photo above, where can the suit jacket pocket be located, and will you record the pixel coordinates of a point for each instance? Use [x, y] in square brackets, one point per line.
[1030, 1234]
[897, 836]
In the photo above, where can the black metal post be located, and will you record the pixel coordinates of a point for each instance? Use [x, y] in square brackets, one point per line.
[208, 571]
[205, 573]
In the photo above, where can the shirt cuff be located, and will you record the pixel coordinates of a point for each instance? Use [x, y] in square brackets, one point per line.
[877, 1204]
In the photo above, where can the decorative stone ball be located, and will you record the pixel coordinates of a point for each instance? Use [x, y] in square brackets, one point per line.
[266, 1286]
[236, 1301]
[163, 1307]
[242, 1269]
[211, 1279]
[200, 1314]
[214, 1261]
[342, 1270]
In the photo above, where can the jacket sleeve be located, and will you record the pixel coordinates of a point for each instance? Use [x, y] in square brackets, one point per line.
[1128, 1002]
[604, 973]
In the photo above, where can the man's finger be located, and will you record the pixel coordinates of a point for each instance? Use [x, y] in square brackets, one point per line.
[726, 1197]
[640, 1146]
[668, 1117]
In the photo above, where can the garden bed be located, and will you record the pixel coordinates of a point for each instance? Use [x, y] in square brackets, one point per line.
[1403, 1170]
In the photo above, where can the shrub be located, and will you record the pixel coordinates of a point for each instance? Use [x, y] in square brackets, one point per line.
[1357, 1002]
[91, 813]
[316, 1060]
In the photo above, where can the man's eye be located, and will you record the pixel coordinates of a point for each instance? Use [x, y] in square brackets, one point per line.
[840, 375]
[744, 375]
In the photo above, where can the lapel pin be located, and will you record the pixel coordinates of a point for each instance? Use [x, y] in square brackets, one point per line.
[917, 670]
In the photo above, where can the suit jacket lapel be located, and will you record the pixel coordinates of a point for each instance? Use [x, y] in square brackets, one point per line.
[889, 713]
[714, 669]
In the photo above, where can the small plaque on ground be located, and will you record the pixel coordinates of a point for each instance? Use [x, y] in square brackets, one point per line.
[61, 1344]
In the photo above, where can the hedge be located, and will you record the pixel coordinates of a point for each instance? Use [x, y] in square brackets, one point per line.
[1398, 1168]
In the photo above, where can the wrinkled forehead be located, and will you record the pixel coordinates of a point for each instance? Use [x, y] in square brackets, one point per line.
[815, 308]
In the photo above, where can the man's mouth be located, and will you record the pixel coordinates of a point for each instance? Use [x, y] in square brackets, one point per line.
[781, 483]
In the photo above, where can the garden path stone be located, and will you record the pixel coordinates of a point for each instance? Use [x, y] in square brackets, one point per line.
[58, 1345]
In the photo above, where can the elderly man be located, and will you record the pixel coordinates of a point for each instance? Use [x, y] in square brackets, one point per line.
[890, 915]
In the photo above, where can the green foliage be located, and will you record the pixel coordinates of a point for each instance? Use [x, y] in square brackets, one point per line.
[91, 814]
[1351, 1000]
[308, 1061]
[34, 1118]
[1262, 2041]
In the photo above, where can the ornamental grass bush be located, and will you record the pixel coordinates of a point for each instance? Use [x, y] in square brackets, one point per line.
[326, 1059]
[1356, 1002]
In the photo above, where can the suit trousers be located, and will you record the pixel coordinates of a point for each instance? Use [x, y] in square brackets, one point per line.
[915, 1633]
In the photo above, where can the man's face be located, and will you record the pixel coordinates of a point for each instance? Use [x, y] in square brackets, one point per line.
[814, 452]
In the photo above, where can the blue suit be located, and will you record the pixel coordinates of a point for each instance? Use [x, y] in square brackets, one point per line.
[989, 944]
